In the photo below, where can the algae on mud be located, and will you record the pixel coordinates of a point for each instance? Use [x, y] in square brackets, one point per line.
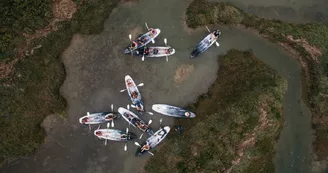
[237, 122]
[307, 42]
[31, 91]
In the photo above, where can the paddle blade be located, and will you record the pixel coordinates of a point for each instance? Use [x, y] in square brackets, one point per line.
[132, 106]
[146, 25]
[165, 41]
[125, 147]
[107, 125]
[122, 90]
[141, 136]
[160, 121]
[143, 58]
[153, 41]
[167, 59]
[141, 84]
[150, 113]
[207, 29]
[112, 107]
[217, 44]
[151, 153]
[130, 36]
[98, 127]
[149, 122]
[88, 113]
[106, 142]
[127, 130]
[112, 124]
[128, 106]
[137, 144]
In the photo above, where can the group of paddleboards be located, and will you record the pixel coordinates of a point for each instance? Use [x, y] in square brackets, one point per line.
[133, 119]
[139, 46]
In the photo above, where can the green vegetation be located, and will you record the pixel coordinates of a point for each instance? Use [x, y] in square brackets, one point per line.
[246, 94]
[31, 92]
[18, 17]
[202, 12]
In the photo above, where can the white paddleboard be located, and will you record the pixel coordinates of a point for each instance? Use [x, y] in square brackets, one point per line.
[172, 111]
[134, 120]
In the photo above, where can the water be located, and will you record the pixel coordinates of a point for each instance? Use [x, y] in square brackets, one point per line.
[96, 68]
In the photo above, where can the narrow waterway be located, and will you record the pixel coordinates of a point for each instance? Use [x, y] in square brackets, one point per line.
[96, 68]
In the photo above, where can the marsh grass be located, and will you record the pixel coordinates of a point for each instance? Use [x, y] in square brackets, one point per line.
[201, 12]
[32, 91]
[226, 115]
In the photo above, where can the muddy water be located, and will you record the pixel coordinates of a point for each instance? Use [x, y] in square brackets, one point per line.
[96, 68]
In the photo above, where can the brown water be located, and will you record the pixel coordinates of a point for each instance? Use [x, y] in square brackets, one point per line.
[96, 68]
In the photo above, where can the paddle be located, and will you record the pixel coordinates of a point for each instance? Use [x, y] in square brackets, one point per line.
[143, 56]
[106, 138]
[217, 44]
[137, 144]
[165, 42]
[141, 84]
[126, 143]
[112, 107]
[149, 122]
[152, 40]
[89, 124]
[130, 37]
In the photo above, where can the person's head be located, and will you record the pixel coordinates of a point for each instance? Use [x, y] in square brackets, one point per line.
[217, 33]
[187, 114]
[134, 44]
[98, 133]
[84, 120]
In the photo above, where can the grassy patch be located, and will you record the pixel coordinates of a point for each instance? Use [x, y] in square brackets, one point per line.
[32, 91]
[227, 116]
[315, 92]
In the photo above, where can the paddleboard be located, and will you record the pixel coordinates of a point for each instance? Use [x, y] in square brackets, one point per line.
[142, 40]
[114, 134]
[98, 118]
[157, 51]
[203, 45]
[134, 93]
[172, 111]
[135, 121]
[154, 140]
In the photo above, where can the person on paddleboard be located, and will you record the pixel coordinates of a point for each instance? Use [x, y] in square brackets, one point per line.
[147, 51]
[217, 33]
[134, 94]
[109, 117]
[163, 132]
[98, 133]
[134, 45]
[146, 147]
[152, 31]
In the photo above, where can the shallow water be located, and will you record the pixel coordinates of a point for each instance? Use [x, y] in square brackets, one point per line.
[96, 68]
